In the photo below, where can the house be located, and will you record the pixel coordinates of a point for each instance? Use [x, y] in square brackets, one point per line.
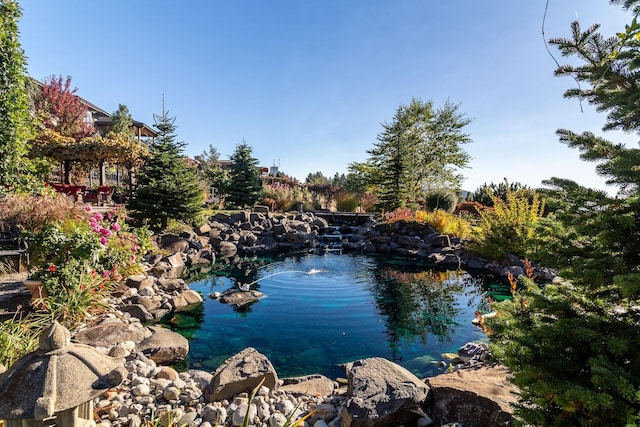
[101, 121]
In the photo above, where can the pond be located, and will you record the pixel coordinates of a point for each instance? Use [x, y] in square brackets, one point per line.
[324, 310]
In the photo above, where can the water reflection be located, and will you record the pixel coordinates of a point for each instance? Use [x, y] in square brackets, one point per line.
[416, 305]
[352, 307]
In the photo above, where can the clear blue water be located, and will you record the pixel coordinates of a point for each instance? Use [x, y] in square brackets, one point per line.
[350, 307]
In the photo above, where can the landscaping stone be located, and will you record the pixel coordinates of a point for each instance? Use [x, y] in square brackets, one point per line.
[164, 346]
[110, 333]
[382, 393]
[241, 373]
[476, 397]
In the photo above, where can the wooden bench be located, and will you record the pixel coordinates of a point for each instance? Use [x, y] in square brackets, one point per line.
[11, 244]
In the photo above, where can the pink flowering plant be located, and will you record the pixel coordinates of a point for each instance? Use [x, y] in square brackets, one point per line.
[84, 257]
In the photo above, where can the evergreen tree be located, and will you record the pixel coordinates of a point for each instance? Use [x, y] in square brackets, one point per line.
[167, 186]
[15, 123]
[574, 347]
[419, 150]
[245, 187]
[209, 170]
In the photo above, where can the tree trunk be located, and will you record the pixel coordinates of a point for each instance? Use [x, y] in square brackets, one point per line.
[103, 177]
[67, 172]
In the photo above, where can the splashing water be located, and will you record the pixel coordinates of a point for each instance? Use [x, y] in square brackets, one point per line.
[246, 286]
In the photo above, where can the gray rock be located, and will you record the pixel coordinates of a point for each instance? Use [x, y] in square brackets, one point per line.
[111, 333]
[215, 415]
[382, 393]
[441, 241]
[228, 249]
[474, 397]
[171, 393]
[314, 385]
[138, 311]
[241, 373]
[164, 346]
[240, 298]
[277, 420]
[172, 243]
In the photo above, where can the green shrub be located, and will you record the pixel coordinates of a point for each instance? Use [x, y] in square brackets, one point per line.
[509, 226]
[443, 199]
[347, 202]
[18, 336]
[487, 193]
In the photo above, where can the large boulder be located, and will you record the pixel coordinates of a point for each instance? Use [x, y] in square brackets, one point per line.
[241, 373]
[172, 243]
[478, 397]
[382, 393]
[228, 249]
[164, 346]
[111, 332]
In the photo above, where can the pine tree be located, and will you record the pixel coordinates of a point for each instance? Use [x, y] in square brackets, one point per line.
[15, 123]
[167, 186]
[421, 149]
[574, 348]
[245, 187]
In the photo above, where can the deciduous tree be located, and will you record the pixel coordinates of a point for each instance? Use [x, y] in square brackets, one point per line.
[65, 127]
[420, 149]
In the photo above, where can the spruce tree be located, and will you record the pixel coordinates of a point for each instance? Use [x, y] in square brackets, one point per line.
[245, 187]
[574, 348]
[167, 186]
[15, 122]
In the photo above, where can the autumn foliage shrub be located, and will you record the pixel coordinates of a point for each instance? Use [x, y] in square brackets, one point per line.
[442, 221]
[34, 212]
[509, 226]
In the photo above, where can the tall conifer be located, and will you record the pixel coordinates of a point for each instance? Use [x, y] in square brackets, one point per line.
[15, 123]
[245, 187]
[167, 186]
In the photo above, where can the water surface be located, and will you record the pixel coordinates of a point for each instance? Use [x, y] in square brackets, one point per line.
[324, 310]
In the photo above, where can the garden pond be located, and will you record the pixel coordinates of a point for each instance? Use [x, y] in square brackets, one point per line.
[322, 310]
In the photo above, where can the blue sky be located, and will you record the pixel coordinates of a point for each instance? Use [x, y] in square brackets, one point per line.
[308, 83]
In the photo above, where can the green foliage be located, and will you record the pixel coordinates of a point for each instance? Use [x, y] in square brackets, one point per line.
[487, 192]
[573, 348]
[419, 149]
[287, 195]
[74, 291]
[347, 202]
[210, 171]
[245, 187]
[509, 226]
[443, 199]
[18, 336]
[574, 354]
[167, 186]
[16, 127]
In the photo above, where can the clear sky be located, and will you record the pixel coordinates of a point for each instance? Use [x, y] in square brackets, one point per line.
[307, 83]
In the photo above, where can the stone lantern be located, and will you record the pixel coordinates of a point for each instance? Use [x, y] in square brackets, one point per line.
[56, 384]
